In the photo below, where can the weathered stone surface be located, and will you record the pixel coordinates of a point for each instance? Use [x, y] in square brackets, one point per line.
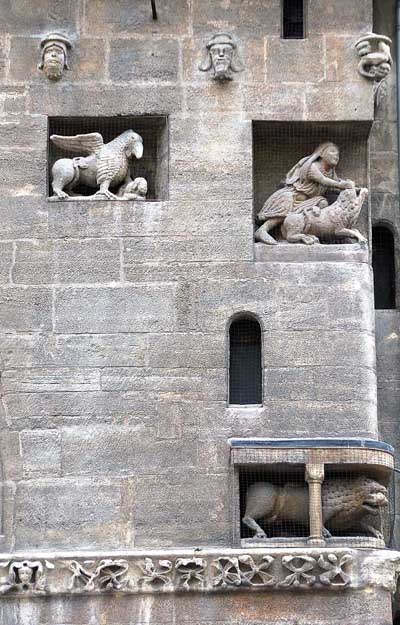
[25, 309]
[41, 453]
[65, 99]
[210, 158]
[181, 249]
[339, 17]
[122, 18]
[309, 55]
[340, 58]
[23, 172]
[50, 410]
[346, 384]
[115, 309]
[176, 502]
[237, 18]
[191, 382]
[71, 513]
[339, 101]
[273, 101]
[186, 350]
[16, 17]
[55, 262]
[23, 131]
[384, 172]
[318, 348]
[23, 217]
[144, 60]
[76, 350]
[47, 380]
[122, 451]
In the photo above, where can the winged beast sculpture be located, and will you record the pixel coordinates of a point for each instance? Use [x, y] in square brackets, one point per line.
[103, 165]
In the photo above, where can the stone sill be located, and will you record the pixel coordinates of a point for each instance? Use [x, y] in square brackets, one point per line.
[300, 253]
[350, 542]
[196, 570]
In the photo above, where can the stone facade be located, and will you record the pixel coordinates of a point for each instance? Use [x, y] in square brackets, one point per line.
[115, 314]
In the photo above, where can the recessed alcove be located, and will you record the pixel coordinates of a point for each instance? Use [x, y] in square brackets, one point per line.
[153, 166]
[287, 488]
[278, 146]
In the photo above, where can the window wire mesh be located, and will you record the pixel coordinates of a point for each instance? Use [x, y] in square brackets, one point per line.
[278, 146]
[276, 496]
[279, 478]
[245, 370]
[153, 166]
[384, 268]
[293, 26]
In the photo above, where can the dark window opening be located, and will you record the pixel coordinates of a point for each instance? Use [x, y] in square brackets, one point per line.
[245, 370]
[384, 268]
[293, 19]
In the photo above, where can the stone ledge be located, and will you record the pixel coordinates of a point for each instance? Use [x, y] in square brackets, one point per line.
[169, 571]
[300, 253]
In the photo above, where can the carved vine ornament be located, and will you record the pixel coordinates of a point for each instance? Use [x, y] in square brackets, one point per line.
[331, 569]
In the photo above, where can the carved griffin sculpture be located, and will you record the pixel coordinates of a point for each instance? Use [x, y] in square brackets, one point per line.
[345, 504]
[332, 222]
[104, 165]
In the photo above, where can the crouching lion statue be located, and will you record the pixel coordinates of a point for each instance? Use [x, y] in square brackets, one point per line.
[345, 504]
[332, 222]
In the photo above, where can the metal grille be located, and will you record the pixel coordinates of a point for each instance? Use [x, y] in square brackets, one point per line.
[153, 166]
[293, 19]
[259, 482]
[245, 370]
[384, 268]
[357, 502]
[278, 146]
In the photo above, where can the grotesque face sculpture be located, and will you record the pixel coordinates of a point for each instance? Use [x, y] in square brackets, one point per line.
[54, 56]
[222, 57]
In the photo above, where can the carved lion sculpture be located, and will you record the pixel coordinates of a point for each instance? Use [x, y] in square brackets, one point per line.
[345, 504]
[335, 221]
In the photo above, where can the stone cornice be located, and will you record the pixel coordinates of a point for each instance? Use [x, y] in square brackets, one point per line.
[213, 570]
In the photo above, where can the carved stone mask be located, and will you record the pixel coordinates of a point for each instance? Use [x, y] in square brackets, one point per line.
[222, 57]
[54, 56]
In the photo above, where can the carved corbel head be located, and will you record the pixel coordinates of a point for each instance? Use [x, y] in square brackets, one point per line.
[54, 55]
[222, 57]
[375, 57]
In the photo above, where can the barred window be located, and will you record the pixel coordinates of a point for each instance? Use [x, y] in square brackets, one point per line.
[293, 26]
[384, 268]
[245, 369]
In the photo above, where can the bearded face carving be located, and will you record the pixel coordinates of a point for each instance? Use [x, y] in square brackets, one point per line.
[221, 57]
[54, 57]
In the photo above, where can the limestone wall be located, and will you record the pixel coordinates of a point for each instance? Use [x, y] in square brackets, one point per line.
[114, 314]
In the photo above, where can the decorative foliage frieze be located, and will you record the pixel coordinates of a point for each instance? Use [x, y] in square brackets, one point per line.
[178, 572]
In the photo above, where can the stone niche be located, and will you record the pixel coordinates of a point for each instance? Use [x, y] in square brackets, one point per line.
[278, 146]
[153, 166]
[312, 492]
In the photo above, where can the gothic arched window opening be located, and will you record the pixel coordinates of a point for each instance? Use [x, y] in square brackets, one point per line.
[245, 368]
[384, 268]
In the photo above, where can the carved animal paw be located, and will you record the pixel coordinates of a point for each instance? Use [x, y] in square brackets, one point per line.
[260, 535]
[60, 194]
[106, 194]
[310, 239]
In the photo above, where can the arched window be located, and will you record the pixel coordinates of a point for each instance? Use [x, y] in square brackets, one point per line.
[293, 19]
[245, 369]
[384, 268]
